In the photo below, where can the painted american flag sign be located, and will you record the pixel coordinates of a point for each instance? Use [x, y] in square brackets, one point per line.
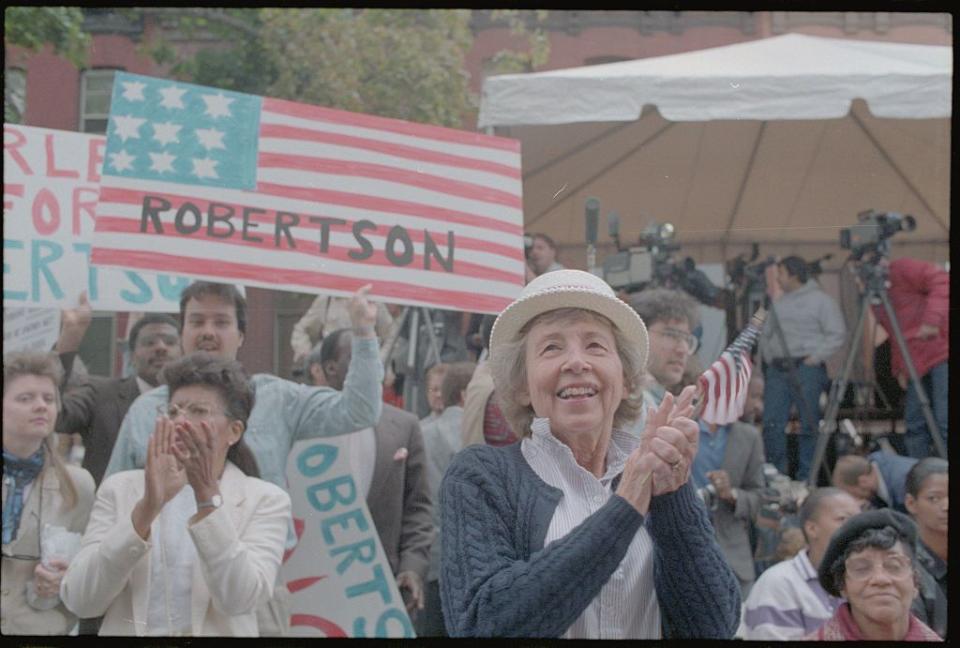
[264, 192]
[725, 383]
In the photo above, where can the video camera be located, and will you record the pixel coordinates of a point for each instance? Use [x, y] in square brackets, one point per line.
[650, 263]
[744, 271]
[780, 496]
[873, 230]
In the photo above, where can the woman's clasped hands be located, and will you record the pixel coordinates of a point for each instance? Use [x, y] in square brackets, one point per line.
[177, 454]
[661, 463]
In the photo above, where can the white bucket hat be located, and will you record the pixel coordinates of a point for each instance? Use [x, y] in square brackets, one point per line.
[569, 289]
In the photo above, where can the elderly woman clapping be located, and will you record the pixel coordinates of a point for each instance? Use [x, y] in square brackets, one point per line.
[580, 530]
[870, 563]
[190, 545]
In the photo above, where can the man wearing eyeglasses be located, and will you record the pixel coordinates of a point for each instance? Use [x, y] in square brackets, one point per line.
[728, 467]
[670, 316]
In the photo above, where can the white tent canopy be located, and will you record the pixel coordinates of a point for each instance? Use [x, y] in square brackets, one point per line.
[785, 77]
[780, 141]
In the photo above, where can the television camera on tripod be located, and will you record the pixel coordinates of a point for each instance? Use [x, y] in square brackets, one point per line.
[869, 245]
[650, 263]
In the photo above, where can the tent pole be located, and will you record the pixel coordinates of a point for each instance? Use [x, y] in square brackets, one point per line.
[897, 170]
[743, 186]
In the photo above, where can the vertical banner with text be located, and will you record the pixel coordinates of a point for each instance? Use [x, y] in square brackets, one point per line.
[338, 575]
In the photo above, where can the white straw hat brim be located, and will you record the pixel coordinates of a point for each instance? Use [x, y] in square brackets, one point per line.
[569, 289]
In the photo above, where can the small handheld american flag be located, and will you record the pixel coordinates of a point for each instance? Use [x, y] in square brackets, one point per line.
[722, 388]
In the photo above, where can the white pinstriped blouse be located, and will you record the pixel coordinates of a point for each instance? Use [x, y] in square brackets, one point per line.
[626, 607]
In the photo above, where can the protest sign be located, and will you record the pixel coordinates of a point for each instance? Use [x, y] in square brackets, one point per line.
[339, 579]
[30, 329]
[50, 185]
[271, 193]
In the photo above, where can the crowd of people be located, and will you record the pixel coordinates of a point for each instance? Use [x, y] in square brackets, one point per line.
[549, 478]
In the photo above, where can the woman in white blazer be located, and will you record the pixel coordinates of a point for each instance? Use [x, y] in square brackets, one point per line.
[38, 489]
[190, 545]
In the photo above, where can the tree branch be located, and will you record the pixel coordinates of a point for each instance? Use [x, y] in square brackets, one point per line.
[214, 15]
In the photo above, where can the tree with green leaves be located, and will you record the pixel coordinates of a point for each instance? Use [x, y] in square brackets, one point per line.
[402, 63]
[407, 64]
[32, 28]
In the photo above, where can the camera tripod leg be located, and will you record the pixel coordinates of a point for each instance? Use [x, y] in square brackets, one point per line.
[419, 318]
[829, 423]
[932, 426]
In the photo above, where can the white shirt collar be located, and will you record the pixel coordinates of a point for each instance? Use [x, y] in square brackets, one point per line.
[621, 445]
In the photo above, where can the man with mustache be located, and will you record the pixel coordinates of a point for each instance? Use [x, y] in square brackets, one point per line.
[95, 408]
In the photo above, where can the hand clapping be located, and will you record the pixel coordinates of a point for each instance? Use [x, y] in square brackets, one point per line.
[673, 437]
[163, 477]
[193, 448]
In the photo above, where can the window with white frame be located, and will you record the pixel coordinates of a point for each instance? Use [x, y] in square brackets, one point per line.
[96, 87]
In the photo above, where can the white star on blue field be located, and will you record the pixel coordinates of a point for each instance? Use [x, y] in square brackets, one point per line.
[182, 133]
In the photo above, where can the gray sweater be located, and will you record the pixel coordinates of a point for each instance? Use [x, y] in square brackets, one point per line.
[497, 578]
[812, 325]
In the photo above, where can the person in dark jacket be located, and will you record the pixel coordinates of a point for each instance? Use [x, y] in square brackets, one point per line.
[95, 408]
[581, 530]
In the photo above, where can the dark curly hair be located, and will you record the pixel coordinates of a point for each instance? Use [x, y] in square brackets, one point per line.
[230, 381]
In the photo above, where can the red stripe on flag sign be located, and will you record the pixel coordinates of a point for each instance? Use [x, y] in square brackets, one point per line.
[387, 173]
[412, 153]
[438, 133]
[126, 197]
[269, 276]
[378, 203]
[121, 225]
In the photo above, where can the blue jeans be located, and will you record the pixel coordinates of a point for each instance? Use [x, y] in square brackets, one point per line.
[778, 398]
[917, 440]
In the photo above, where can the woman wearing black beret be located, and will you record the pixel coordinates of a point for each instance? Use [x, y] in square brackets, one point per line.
[870, 562]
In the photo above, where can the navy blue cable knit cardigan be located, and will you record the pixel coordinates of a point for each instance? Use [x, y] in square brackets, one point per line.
[497, 579]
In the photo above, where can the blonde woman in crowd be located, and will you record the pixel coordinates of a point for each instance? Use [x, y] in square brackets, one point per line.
[38, 490]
